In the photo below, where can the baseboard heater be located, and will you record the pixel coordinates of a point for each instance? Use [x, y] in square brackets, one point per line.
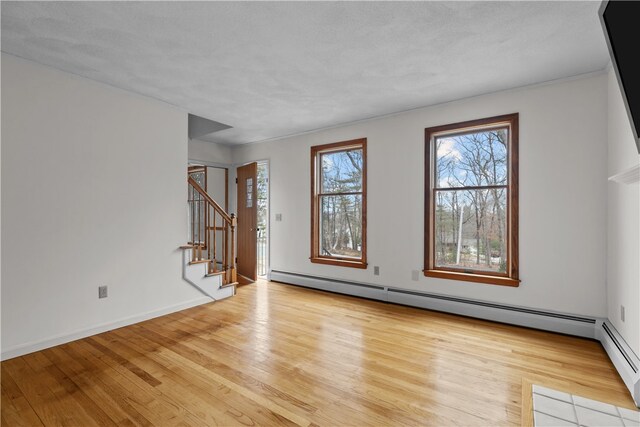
[522, 316]
[624, 359]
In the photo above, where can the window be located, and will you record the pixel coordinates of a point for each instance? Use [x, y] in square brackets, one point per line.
[339, 204]
[471, 209]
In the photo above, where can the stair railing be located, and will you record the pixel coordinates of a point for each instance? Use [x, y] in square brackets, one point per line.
[206, 219]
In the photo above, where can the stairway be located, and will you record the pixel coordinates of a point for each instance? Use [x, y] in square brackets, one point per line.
[209, 259]
[197, 274]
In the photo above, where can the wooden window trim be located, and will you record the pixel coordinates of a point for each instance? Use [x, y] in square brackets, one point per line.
[511, 277]
[315, 205]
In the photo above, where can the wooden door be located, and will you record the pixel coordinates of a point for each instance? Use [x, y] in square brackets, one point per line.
[247, 221]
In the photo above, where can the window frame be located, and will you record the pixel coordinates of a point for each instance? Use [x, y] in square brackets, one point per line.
[511, 276]
[316, 182]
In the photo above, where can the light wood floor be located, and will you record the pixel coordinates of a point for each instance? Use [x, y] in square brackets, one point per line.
[282, 355]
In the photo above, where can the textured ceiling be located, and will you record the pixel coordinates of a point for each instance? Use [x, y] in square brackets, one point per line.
[271, 69]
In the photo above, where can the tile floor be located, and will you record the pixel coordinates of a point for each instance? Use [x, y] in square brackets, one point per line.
[556, 408]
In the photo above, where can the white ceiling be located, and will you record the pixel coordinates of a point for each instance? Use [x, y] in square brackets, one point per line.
[271, 69]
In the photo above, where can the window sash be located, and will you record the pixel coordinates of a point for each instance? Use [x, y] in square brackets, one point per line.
[471, 187]
[469, 131]
[321, 230]
[468, 270]
[320, 177]
[351, 193]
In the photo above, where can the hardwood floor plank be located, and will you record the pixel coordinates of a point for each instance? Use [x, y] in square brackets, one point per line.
[47, 397]
[156, 405]
[185, 370]
[196, 395]
[257, 387]
[282, 355]
[16, 410]
[204, 365]
[193, 340]
[527, 403]
[93, 409]
[102, 381]
[89, 387]
[141, 373]
[158, 408]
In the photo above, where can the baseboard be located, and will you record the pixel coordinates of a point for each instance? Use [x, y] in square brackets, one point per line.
[582, 326]
[623, 358]
[357, 289]
[27, 348]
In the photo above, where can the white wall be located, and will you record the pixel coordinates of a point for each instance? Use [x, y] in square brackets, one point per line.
[216, 185]
[0, 211]
[623, 257]
[93, 193]
[217, 190]
[563, 187]
[209, 152]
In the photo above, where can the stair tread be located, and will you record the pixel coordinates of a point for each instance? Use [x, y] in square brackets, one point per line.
[215, 273]
[229, 284]
[199, 261]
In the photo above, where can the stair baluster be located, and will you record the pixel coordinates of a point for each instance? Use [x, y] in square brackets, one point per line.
[204, 226]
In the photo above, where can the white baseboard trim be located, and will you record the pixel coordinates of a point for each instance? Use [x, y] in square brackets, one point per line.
[27, 348]
[521, 316]
[623, 358]
[332, 285]
[625, 361]
[582, 326]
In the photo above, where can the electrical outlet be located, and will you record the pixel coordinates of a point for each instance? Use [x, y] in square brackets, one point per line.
[376, 270]
[415, 275]
[102, 291]
[278, 217]
[622, 313]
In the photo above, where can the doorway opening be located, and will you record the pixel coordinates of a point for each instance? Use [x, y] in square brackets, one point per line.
[252, 206]
[262, 201]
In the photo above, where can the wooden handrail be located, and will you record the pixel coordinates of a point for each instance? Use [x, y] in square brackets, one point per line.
[208, 212]
[225, 216]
